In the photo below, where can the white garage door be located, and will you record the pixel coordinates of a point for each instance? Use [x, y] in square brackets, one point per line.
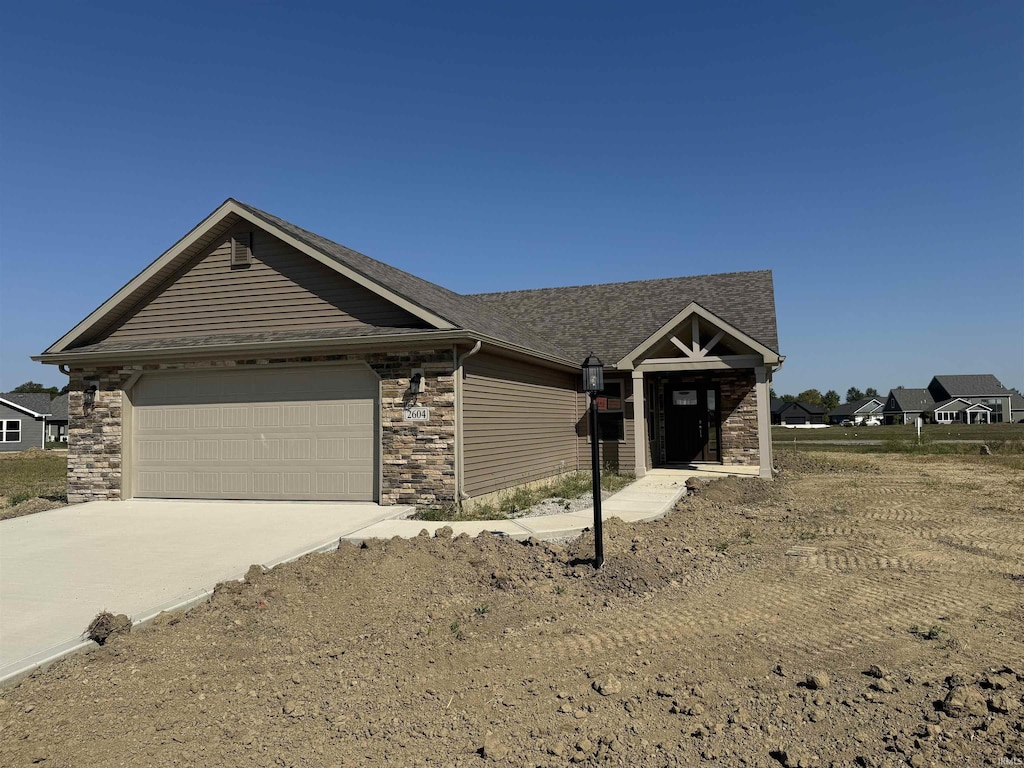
[290, 433]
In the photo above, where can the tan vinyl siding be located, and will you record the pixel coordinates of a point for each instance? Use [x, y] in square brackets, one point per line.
[617, 456]
[519, 423]
[281, 289]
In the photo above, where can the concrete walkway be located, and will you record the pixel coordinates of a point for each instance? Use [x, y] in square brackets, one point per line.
[649, 498]
[58, 569]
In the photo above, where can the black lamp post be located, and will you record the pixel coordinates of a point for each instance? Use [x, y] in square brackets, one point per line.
[593, 382]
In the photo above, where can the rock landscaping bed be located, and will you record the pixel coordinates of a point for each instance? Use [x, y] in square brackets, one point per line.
[893, 638]
[568, 493]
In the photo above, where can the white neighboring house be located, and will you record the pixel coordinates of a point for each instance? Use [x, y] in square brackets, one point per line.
[962, 410]
[867, 409]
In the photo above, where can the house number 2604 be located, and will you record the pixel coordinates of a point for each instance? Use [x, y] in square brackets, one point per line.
[416, 414]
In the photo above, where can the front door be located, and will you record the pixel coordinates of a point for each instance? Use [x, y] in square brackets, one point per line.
[691, 422]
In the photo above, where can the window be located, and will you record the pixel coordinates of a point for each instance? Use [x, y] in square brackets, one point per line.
[10, 431]
[996, 404]
[611, 418]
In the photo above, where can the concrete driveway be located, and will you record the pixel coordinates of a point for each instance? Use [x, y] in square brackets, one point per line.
[58, 569]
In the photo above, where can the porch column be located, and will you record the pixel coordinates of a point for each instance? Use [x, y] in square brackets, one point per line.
[639, 424]
[764, 420]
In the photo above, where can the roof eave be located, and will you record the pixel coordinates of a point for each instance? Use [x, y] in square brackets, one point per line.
[23, 408]
[293, 348]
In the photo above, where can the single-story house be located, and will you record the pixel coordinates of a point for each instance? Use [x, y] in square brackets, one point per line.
[857, 411]
[970, 399]
[796, 412]
[23, 417]
[257, 360]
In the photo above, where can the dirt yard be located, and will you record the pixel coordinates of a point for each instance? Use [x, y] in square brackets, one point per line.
[860, 611]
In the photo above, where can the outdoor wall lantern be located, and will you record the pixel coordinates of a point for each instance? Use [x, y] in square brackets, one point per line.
[416, 383]
[89, 397]
[593, 382]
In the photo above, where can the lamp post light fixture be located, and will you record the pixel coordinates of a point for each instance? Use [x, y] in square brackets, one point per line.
[593, 382]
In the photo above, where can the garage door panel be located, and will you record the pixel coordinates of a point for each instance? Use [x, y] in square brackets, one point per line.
[194, 437]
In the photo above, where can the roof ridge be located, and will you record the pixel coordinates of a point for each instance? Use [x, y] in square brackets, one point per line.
[624, 282]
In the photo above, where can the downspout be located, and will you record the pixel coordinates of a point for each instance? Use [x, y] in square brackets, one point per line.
[460, 467]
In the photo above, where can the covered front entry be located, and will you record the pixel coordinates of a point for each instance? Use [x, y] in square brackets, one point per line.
[284, 433]
[687, 412]
[701, 395]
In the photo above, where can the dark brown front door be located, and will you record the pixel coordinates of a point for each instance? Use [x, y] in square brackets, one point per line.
[691, 422]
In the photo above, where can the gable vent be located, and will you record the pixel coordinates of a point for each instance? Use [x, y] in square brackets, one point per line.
[241, 249]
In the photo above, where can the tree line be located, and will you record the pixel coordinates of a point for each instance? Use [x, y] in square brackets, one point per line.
[36, 387]
[829, 400]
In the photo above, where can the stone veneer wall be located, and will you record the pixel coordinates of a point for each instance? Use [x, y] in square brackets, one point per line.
[417, 458]
[738, 401]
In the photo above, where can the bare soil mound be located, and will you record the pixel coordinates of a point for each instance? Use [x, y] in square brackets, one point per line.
[891, 639]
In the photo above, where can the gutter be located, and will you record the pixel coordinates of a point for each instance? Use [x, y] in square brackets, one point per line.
[460, 468]
[292, 347]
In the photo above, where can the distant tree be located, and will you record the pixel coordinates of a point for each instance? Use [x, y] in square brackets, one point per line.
[772, 394]
[870, 392]
[830, 400]
[811, 396]
[853, 395]
[34, 387]
[788, 398]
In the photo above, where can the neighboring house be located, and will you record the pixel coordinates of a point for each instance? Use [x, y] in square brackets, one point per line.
[968, 399]
[798, 413]
[23, 420]
[1017, 408]
[57, 421]
[904, 405]
[776, 406]
[257, 360]
[858, 411]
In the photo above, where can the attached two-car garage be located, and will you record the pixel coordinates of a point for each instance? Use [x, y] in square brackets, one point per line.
[300, 433]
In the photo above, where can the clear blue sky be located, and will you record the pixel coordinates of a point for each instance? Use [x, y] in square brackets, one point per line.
[870, 154]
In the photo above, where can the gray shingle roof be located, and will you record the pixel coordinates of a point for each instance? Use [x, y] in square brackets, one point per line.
[912, 400]
[611, 319]
[970, 385]
[59, 408]
[560, 323]
[810, 408]
[461, 311]
[848, 409]
[37, 402]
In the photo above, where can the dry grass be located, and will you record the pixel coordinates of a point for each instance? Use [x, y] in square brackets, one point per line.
[32, 474]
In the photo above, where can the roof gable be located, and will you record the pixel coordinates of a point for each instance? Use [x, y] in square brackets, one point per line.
[612, 319]
[865, 405]
[910, 400]
[277, 289]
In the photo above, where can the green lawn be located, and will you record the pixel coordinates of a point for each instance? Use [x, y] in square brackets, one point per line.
[929, 432]
[26, 475]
